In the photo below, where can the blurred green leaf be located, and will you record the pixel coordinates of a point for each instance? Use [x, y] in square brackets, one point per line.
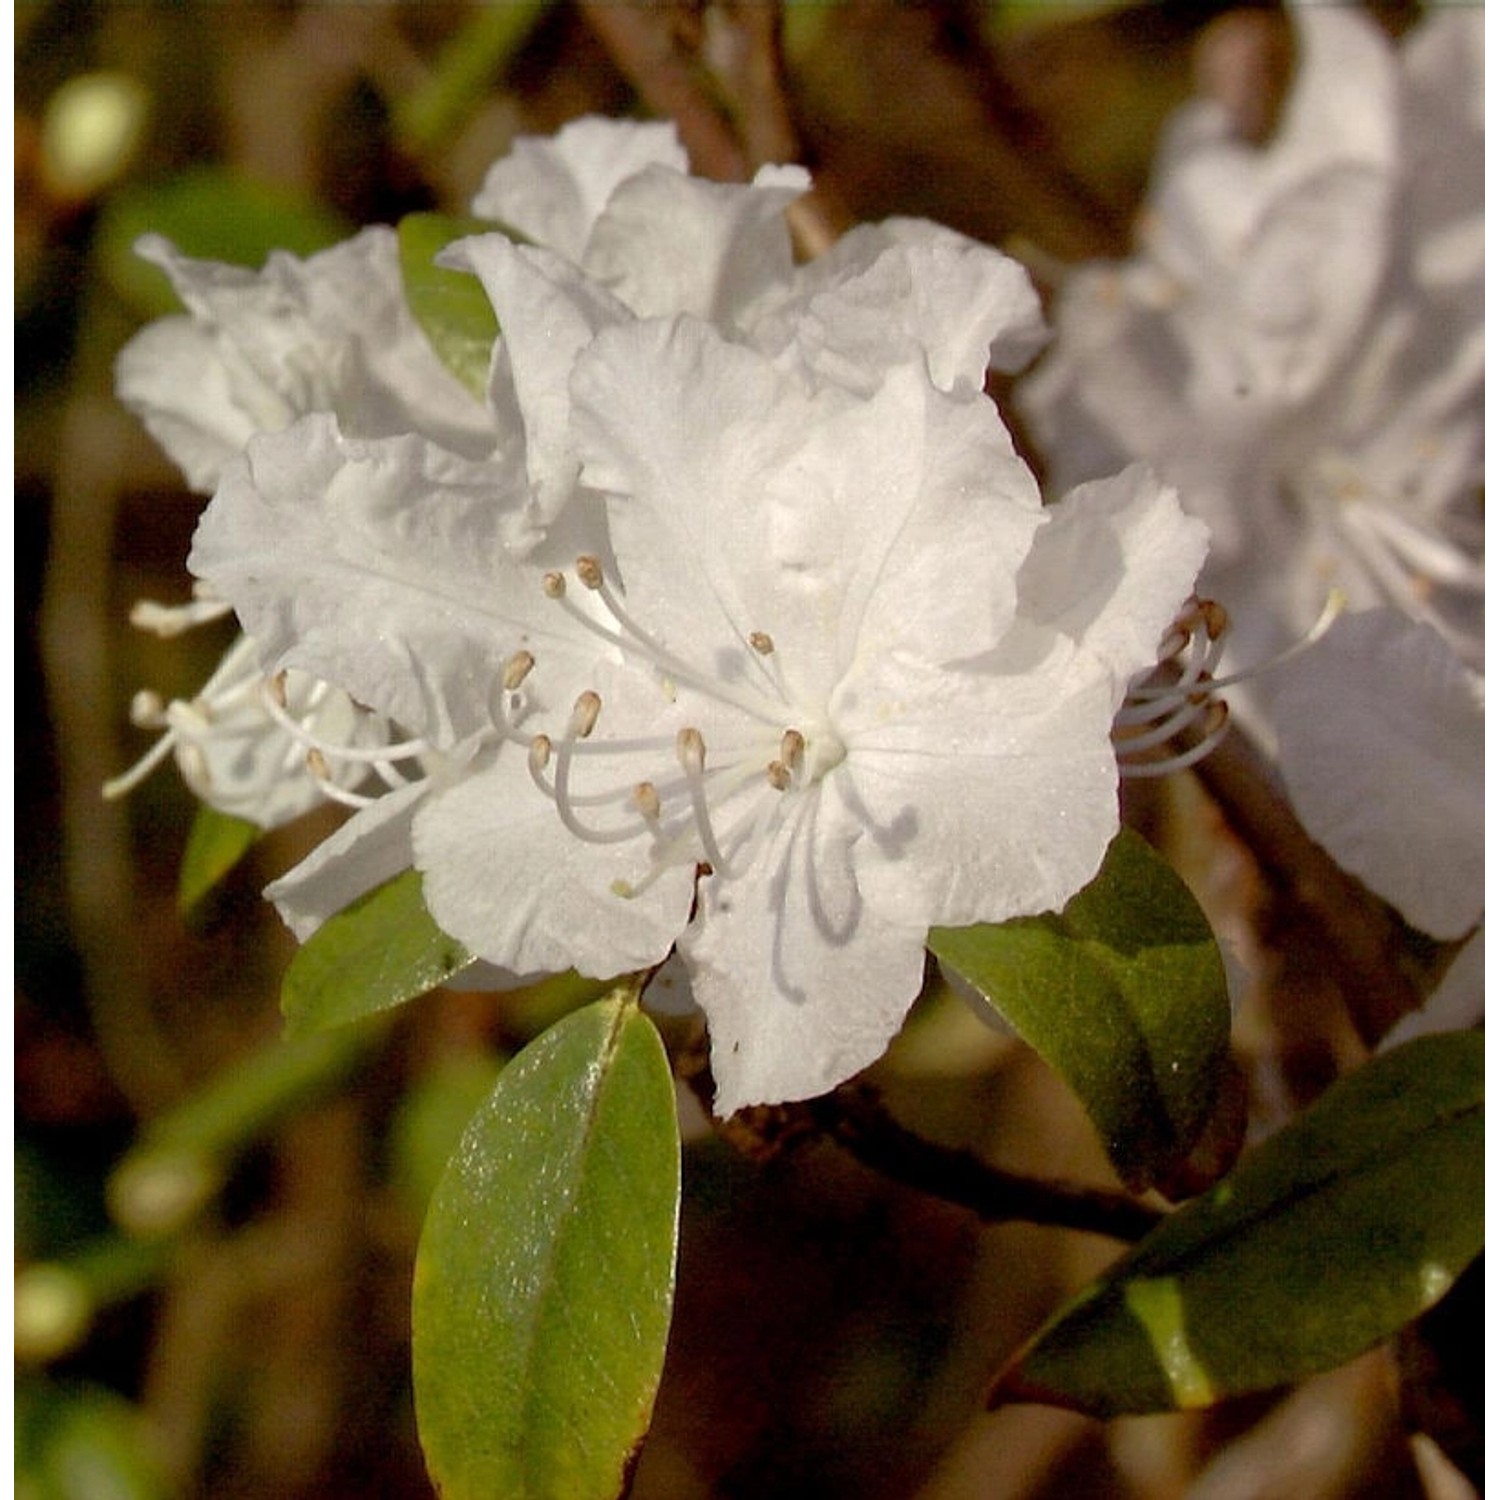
[470, 65]
[1123, 993]
[1349, 1223]
[544, 1277]
[209, 213]
[450, 306]
[380, 951]
[181, 1158]
[217, 842]
[83, 1443]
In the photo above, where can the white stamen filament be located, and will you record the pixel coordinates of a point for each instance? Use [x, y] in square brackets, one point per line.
[171, 620]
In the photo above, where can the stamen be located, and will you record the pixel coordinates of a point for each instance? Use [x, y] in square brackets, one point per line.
[761, 643]
[170, 620]
[793, 746]
[516, 669]
[1216, 726]
[147, 711]
[276, 690]
[779, 775]
[590, 574]
[554, 585]
[318, 769]
[647, 801]
[585, 714]
[692, 755]
[129, 780]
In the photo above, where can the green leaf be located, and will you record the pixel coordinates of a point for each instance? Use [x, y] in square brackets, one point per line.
[212, 214]
[217, 842]
[1350, 1222]
[464, 74]
[450, 306]
[180, 1161]
[544, 1276]
[382, 950]
[1123, 993]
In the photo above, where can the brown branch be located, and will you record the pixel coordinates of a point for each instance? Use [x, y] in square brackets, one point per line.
[854, 1117]
[722, 81]
[646, 43]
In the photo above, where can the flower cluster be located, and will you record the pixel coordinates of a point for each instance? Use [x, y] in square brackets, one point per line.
[729, 623]
[1298, 342]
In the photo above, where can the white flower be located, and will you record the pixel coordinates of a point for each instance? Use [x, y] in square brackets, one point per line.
[254, 351]
[266, 750]
[257, 349]
[1381, 745]
[830, 677]
[1297, 345]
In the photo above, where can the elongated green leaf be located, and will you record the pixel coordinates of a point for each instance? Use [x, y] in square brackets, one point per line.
[375, 954]
[450, 306]
[1123, 993]
[1325, 1240]
[216, 843]
[181, 1158]
[545, 1272]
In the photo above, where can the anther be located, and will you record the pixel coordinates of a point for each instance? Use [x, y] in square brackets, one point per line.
[554, 585]
[761, 642]
[317, 765]
[691, 751]
[147, 711]
[539, 753]
[585, 714]
[646, 801]
[516, 669]
[779, 775]
[590, 574]
[793, 746]
[276, 688]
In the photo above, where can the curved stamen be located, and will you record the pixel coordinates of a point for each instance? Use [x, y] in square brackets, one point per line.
[274, 699]
[638, 642]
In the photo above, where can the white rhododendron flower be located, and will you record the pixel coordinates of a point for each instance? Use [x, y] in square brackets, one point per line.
[1381, 735]
[826, 676]
[1298, 343]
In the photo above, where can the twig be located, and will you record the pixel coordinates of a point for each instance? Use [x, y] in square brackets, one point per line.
[853, 1116]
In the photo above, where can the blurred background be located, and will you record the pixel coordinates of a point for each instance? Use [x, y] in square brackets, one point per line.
[214, 1230]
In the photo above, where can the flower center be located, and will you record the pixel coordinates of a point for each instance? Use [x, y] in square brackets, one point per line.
[705, 792]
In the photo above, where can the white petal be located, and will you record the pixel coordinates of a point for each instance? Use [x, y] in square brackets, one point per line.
[906, 286]
[504, 876]
[802, 982]
[329, 333]
[172, 377]
[1112, 568]
[985, 796]
[371, 847]
[553, 188]
[833, 524]
[1382, 746]
[549, 311]
[669, 243]
[382, 567]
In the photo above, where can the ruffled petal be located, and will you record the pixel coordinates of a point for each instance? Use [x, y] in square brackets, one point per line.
[553, 188]
[384, 567]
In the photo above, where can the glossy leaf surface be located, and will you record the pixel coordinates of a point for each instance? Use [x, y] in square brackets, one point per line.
[1123, 993]
[1349, 1223]
[545, 1272]
[380, 951]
